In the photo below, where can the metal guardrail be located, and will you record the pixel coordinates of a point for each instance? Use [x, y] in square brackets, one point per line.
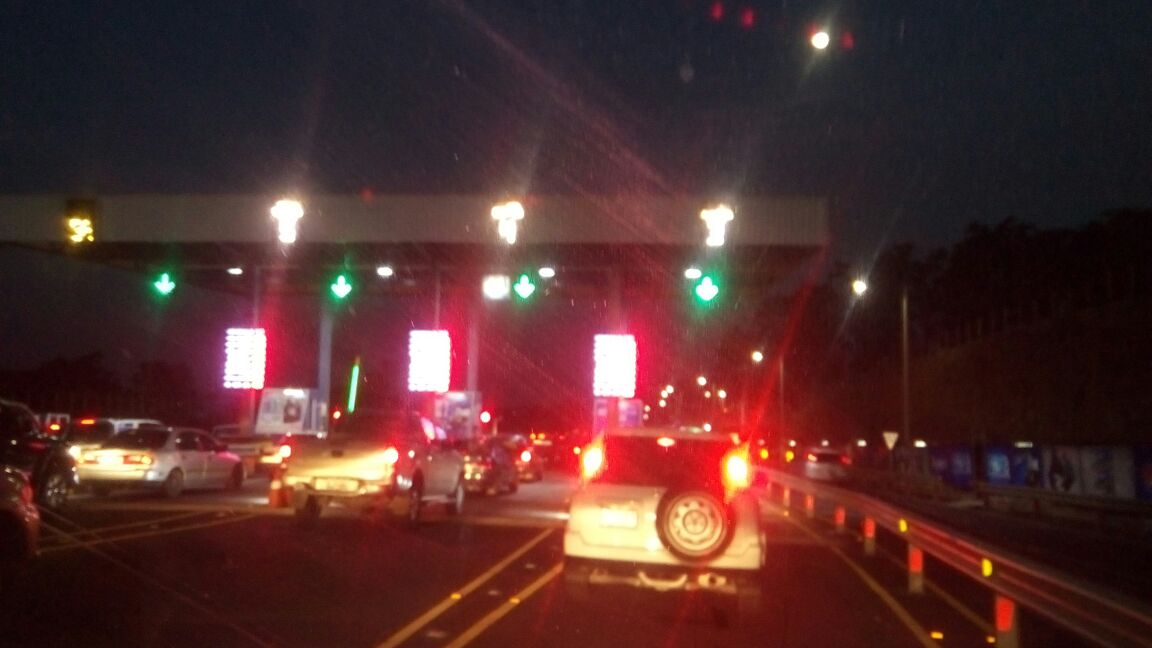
[1091, 611]
[1049, 503]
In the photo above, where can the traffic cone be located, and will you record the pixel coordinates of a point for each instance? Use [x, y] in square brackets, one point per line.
[277, 498]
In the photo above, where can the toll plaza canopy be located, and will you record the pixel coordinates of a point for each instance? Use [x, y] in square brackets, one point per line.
[198, 235]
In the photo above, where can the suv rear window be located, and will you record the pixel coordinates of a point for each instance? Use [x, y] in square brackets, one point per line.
[382, 427]
[643, 461]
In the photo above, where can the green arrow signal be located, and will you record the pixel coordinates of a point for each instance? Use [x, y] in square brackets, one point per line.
[707, 290]
[341, 287]
[164, 285]
[524, 287]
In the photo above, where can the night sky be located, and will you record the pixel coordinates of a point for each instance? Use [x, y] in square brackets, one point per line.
[922, 117]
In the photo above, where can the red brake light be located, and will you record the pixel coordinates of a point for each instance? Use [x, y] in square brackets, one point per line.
[526, 456]
[846, 460]
[87, 421]
[811, 457]
[55, 427]
[592, 461]
[736, 473]
[665, 442]
[137, 460]
[391, 456]
[285, 451]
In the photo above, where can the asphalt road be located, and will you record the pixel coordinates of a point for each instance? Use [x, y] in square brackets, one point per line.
[219, 569]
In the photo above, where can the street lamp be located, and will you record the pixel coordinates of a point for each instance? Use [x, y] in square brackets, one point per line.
[507, 216]
[820, 40]
[287, 214]
[701, 380]
[716, 220]
[859, 287]
[757, 356]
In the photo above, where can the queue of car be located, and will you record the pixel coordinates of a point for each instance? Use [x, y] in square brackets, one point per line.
[166, 459]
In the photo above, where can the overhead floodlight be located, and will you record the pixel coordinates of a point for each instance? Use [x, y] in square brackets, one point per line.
[245, 358]
[287, 214]
[820, 40]
[693, 273]
[547, 272]
[859, 287]
[429, 361]
[716, 220]
[384, 271]
[507, 217]
[614, 373]
[497, 286]
[236, 271]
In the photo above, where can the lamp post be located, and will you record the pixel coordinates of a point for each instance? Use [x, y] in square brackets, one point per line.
[859, 287]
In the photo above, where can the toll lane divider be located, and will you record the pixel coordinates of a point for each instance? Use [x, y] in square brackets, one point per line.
[1092, 611]
[414, 626]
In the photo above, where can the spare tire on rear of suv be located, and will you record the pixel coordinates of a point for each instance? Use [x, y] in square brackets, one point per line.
[695, 525]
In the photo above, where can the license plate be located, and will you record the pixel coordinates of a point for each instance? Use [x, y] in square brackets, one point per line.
[337, 484]
[618, 518]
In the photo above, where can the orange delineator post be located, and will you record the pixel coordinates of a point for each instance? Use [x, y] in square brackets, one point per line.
[869, 536]
[915, 569]
[1007, 623]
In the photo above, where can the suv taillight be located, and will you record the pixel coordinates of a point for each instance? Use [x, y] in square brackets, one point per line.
[526, 456]
[592, 461]
[736, 471]
[285, 451]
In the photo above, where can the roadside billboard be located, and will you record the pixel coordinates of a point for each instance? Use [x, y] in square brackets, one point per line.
[291, 410]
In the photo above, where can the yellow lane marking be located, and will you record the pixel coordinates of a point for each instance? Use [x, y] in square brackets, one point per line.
[145, 534]
[407, 631]
[495, 615]
[177, 594]
[968, 613]
[511, 521]
[901, 613]
[177, 507]
[121, 527]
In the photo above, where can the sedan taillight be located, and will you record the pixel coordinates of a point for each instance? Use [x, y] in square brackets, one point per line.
[138, 460]
[592, 461]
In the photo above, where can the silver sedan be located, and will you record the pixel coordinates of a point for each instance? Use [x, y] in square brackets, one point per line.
[170, 459]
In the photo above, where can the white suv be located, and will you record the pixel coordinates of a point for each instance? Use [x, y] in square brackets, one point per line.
[666, 510]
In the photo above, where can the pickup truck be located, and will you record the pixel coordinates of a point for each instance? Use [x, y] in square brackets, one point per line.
[374, 461]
